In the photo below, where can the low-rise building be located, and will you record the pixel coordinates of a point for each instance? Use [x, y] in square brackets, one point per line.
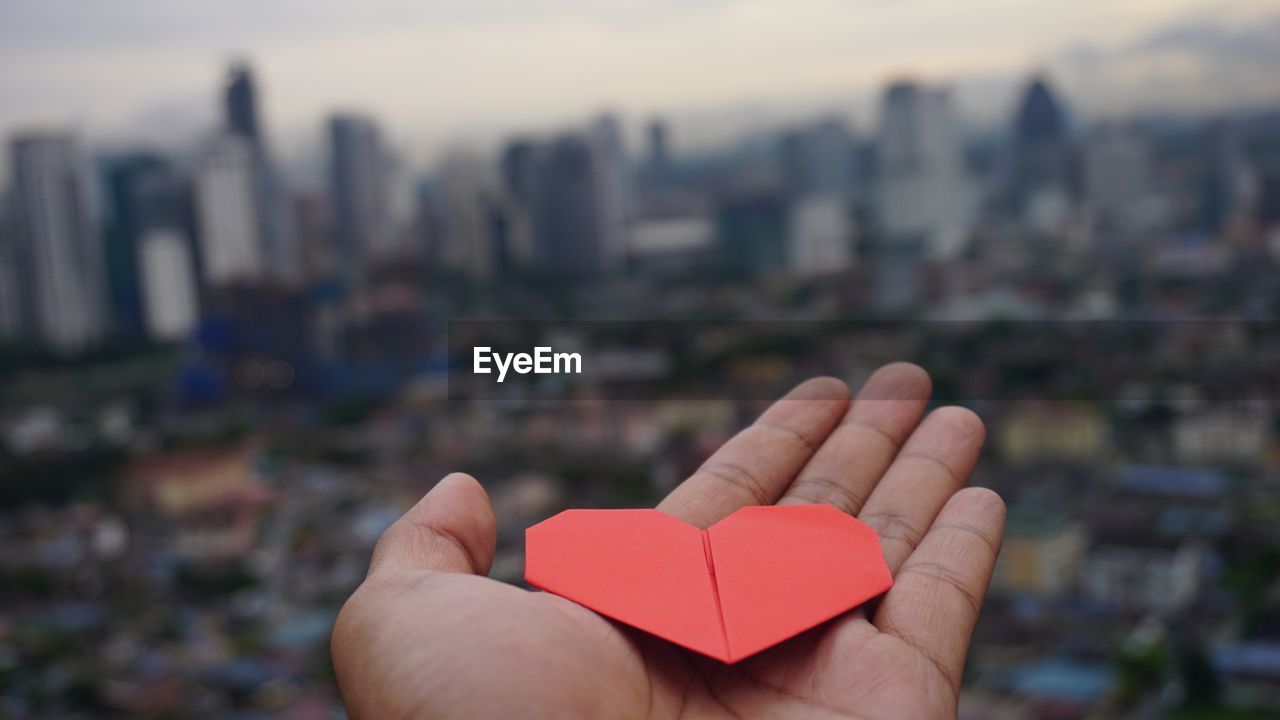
[1041, 554]
[1054, 432]
[212, 499]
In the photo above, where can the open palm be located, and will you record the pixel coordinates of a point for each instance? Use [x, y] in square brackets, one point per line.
[427, 635]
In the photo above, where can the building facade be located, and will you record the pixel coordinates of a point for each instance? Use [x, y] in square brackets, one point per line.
[58, 257]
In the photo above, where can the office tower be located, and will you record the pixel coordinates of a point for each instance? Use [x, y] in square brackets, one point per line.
[163, 200]
[520, 166]
[10, 298]
[240, 104]
[59, 252]
[614, 194]
[1118, 180]
[243, 120]
[567, 232]
[162, 208]
[1041, 155]
[230, 244]
[313, 223]
[557, 187]
[751, 232]
[1268, 202]
[1226, 176]
[819, 160]
[467, 246]
[924, 199]
[819, 235]
[123, 176]
[486, 230]
[169, 285]
[659, 149]
[359, 177]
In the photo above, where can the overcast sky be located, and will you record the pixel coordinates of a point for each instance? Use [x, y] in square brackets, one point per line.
[437, 72]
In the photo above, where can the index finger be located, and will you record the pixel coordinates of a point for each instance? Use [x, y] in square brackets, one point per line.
[758, 464]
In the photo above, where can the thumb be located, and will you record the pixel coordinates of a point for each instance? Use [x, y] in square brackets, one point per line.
[451, 529]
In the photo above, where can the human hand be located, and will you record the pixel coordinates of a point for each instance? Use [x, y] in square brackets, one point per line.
[427, 635]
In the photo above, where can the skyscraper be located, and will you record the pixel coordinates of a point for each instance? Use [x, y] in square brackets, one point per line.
[1118, 180]
[614, 193]
[59, 253]
[230, 244]
[160, 222]
[243, 121]
[1041, 155]
[124, 175]
[751, 232]
[567, 232]
[819, 235]
[659, 146]
[358, 179]
[1226, 176]
[240, 104]
[10, 298]
[468, 187]
[169, 287]
[559, 186]
[924, 199]
[819, 160]
[313, 224]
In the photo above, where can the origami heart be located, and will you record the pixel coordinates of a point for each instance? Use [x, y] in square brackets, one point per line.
[752, 580]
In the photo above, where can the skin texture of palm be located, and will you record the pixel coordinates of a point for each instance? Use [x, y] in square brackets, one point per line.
[427, 635]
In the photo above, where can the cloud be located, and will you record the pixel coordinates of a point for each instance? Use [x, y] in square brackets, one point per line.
[457, 70]
[1188, 67]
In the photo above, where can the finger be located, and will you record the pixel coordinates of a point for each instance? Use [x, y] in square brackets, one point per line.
[757, 464]
[935, 462]
[450, 529]
[936, 596]
[856, 454]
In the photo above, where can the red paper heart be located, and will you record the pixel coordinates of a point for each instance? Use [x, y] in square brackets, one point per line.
[752, 580]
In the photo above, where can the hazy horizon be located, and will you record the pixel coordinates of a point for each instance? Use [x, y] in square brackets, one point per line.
[443, 74]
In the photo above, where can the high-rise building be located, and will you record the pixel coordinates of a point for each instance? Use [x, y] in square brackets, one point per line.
[1118, 180]
[1041, 161]
[161, 221]
[313, 223]
[567, 232]
[486, 229]
[558, 187]
[924, 199]
[614, 192]
[123, 177]
[10, 297]
[240, 104]
[819, 235]
[467, 246]
[520, 166]
[243, 120]
[819, 159]
[169, 285]
[164, 201]
[659, 145]
[230, 243]
[59, 251]
[751, 232]
[359, 177]
[1268, 202]
[1226, 176]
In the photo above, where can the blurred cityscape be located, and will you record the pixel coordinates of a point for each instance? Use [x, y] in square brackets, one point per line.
[219, 387]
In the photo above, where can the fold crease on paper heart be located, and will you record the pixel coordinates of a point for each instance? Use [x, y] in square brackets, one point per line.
[754, 579]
